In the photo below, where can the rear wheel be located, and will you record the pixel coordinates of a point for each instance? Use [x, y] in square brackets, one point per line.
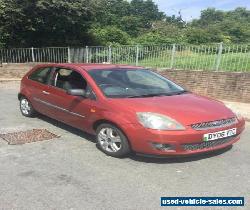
[112, 141]
[26, 108]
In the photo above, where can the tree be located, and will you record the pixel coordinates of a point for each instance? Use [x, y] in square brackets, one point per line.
[151, 38]
[197, 36]
[210, 16]
[146, 9]
[176, 20]
[171, 30]
[218, 26]
[110, 12]
[133, 25]
[45, 22]
[110, 35]
[38, 23]
[133, 18]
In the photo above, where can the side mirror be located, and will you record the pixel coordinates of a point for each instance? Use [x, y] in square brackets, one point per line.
[76, 92]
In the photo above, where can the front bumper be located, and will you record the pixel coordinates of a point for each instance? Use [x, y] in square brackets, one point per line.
[185, 142]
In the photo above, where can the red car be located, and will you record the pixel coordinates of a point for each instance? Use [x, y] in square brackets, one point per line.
[129, 109]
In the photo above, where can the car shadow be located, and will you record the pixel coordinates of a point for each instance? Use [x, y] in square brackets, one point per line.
[134, 156]
[68, 128]
[179, 159]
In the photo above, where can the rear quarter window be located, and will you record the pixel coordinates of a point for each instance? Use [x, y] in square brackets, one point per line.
[40, 75]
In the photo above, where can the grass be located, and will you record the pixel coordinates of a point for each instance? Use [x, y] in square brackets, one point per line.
[194, 61]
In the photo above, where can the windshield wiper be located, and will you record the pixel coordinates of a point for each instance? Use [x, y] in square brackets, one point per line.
[159, 94]
[179, 92]
[149, 95]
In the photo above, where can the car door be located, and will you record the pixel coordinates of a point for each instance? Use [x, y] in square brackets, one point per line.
[38, 89]
[73, 110]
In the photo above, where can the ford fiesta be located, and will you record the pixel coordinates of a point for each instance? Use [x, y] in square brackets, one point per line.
[129, 109]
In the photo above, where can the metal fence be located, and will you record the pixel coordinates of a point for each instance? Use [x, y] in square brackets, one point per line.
[23, 55]
[219, 57]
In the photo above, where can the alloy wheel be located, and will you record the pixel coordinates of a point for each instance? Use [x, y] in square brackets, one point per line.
[25, 106]
[109, 140]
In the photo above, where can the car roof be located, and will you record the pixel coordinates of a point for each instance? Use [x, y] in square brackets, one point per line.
[92, 66]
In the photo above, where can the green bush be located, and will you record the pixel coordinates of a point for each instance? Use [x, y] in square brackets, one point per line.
[153, 38]
[110, 35]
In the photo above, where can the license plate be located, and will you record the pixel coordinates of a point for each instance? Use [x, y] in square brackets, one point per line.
[219, 135]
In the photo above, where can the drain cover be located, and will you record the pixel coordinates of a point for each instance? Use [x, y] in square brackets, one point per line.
[23, 137]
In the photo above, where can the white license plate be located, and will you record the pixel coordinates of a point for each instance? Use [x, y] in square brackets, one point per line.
[219, 135]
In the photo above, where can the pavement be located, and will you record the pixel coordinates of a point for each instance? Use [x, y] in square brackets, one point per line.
[242, 108]
[71, 173]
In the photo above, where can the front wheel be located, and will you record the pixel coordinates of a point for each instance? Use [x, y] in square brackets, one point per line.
[112, 141]
[26, 108]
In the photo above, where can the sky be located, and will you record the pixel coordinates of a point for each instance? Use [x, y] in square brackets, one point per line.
[190, 9]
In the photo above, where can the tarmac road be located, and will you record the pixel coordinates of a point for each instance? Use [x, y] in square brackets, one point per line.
[71, 173]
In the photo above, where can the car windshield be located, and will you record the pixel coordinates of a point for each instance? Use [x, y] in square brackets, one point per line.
[133, 83]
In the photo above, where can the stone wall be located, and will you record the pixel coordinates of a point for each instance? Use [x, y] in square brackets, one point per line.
[231, 86]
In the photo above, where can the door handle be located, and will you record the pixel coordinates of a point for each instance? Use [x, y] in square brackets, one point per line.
[45, 92]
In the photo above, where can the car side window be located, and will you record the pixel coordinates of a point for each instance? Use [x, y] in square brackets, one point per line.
[40, 75]
[68, 79]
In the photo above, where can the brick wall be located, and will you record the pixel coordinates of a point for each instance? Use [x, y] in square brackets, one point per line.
[15, 70]
[231, 86]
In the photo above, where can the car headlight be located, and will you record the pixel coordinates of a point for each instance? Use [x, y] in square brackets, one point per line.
[235, 111]
[158, 121]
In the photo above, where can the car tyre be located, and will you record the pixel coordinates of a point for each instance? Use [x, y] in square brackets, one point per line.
[26, 107]
[112, 141]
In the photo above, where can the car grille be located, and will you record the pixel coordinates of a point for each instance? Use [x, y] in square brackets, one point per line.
[214, 124]
[207, 144]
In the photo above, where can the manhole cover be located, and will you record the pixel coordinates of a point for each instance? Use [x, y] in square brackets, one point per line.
[23, 137]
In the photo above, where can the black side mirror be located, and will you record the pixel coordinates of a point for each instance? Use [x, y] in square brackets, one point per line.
[77, 92]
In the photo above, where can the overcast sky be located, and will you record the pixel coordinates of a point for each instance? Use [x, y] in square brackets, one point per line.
[191, 8]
